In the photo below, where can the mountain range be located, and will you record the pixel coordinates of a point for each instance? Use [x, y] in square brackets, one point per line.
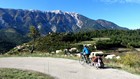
[15, 24]
[50, 21]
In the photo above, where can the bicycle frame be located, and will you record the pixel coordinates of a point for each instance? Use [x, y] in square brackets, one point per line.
[83, 59]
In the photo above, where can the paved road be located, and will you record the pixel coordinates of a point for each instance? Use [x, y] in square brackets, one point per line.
[64, 68]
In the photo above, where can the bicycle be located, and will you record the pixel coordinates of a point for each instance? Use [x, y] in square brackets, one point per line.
[97, 62]
[83, 60]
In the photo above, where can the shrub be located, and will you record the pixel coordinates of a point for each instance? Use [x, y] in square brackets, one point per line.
[131, 59]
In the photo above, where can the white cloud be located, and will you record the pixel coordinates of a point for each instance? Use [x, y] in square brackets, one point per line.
[121, 1]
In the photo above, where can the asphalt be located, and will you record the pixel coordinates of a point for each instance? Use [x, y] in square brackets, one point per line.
[64, 68]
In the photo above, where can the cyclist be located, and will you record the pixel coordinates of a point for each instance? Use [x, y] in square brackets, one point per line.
[86, 53]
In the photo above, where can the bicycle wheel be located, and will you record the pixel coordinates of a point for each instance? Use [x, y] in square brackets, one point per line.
[82, 60]
[96, 65]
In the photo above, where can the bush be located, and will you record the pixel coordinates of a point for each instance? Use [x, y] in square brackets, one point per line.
[131, 59]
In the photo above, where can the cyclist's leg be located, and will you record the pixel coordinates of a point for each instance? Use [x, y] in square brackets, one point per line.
[87, 58]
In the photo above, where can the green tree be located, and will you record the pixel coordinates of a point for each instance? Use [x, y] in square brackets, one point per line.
[34, 33]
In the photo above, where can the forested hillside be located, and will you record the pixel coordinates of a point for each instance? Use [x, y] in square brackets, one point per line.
[55, 41]
[9, 38]
[118, 38]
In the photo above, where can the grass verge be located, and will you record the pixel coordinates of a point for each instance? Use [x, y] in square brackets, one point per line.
[133, 70]
[8, 73]
[40, 54]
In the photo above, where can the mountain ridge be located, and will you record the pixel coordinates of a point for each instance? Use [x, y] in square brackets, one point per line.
[51, 21]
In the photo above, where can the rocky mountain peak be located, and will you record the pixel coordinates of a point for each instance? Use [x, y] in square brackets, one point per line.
[57, 12]
[50, 21]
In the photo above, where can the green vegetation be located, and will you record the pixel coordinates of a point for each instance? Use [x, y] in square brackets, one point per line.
[6, 73]
[129, 62]
[106, 40]
[85, 42]
[34, 33]
[103, 39]
[100, 38]
[41, 54]
[9, 38]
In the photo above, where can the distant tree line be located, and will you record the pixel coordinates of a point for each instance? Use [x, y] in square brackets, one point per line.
[54, 41]
[118, 38]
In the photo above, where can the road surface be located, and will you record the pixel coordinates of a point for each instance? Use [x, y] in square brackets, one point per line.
[64, 68]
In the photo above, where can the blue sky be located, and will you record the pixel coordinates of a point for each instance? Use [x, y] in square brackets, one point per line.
[124, 13]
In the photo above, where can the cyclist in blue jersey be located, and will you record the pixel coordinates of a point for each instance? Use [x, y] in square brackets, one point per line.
[86, 52]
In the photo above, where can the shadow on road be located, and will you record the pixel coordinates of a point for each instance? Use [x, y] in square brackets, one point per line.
[107, 67]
